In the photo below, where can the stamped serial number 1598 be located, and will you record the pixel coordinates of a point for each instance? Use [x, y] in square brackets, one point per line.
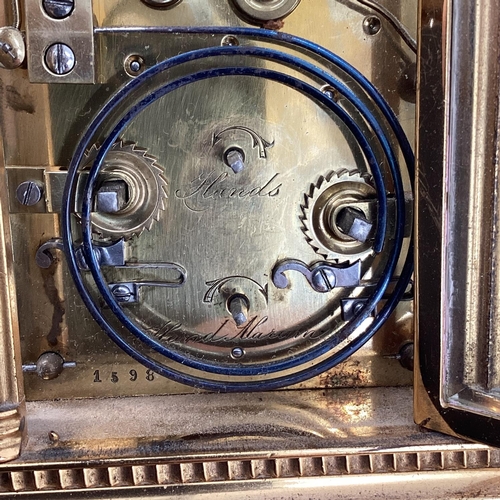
[132, 376]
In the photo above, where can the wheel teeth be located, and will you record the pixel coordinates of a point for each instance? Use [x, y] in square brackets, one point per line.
[330, 174]
[344, 172]
[91, 151]
[131, 147]
[310, 195]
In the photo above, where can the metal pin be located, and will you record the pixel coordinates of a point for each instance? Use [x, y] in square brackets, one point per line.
[238, 307]
[353, 223]
[112, 197]
[49, 366]
[12, 48]
[235, 158]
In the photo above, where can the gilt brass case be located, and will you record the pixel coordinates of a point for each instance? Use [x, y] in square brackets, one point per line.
[222, 221]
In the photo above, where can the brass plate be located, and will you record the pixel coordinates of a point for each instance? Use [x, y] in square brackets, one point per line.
[178, 131]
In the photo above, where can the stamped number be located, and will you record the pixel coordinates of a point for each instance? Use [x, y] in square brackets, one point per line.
[149, 375]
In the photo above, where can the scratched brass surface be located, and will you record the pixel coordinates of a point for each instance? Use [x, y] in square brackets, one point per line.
[12, 404]
[359, 443]
[212, 236]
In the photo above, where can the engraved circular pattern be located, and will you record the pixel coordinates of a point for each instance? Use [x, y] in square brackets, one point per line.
[315, 337]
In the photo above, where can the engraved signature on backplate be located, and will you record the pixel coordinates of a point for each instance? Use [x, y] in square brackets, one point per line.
[173, 333]
[211, 187]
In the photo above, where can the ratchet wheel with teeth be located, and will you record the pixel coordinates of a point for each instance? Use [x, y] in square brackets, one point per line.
[131, 192]
[338, 219]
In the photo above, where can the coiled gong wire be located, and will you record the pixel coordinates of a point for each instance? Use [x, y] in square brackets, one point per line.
[315, 94]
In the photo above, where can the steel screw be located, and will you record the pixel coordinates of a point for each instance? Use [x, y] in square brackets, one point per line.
[371, 25]
[237, 352]
[60, 59]
[323, 280]
[53, 436]
[230, 41]
[407, 86]
[29, 193]
[358, 307]
[134, 65]
[122, 294]
[262, 11]
[406, 356]
[162, 4]
[58, 9]
[330, 92]
[353, 223]
[235, 159]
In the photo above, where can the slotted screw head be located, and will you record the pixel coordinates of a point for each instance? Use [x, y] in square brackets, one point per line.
[60, 59]
[122, 293]
[58, 9]
[29, 193]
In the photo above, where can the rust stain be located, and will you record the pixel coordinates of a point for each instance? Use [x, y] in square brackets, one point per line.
[275, 24]
[345, 375]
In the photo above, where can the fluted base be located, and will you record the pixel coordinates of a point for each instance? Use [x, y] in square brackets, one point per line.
[11, 433]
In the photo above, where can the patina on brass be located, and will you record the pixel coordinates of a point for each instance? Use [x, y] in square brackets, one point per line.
[201, 230]
[456, 387]
[352, 425]
[12, 406]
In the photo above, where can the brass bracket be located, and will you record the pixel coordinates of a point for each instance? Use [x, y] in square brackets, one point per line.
[60, 50]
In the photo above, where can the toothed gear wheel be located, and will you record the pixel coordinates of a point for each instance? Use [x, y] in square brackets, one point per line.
[147, 191]
[321, 205]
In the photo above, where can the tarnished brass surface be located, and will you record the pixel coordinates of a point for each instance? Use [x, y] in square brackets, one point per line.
[74, 31]
[187, 134]
[11, 380]
[457, 221]
[107, 427]
[358, 442]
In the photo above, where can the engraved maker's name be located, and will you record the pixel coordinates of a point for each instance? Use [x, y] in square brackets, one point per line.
[213, 186]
